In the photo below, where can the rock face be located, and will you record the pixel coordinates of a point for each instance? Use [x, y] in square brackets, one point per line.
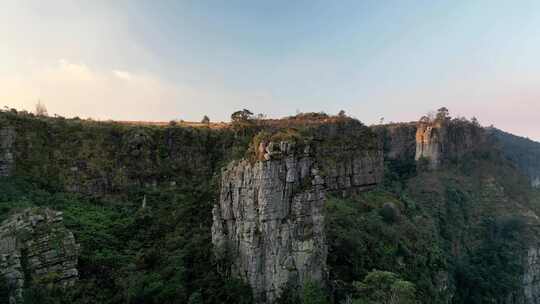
[531, 277]
[97, 159]
[536, 182]
[35, 246]
[269, 219]
[524, 152]
[397, 140]
[429, 142]
[7, 138]
[441, 140]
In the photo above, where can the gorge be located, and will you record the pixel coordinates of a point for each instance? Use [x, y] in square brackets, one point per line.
[261, 211]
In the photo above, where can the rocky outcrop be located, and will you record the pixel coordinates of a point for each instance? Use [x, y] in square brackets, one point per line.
[439, 140]
[269, 219]
[531, 276]
[36, 247]
[397, 140]
[524, 152]
[101, 158]
[428, 142]
[7, 138]
[535, 182]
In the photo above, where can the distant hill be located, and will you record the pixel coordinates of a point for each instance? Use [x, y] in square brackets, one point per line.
[523, 151]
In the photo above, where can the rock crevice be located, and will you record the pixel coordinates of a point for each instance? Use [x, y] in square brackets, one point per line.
[36, 247]
[269, 220]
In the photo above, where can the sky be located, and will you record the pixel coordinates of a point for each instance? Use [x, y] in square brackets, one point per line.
[164, 60]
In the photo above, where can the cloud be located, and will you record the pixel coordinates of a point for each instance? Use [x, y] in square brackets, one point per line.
[75, 89]
[122, 74]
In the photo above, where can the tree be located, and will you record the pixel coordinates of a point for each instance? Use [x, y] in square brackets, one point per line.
[196, 298]
[205, 120]
[41, 110]
[241, 116]
[443, 114]
[384, 287]
[342, 113]
[4, 290]
[313, 293]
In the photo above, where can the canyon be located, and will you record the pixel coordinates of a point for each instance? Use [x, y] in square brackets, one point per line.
[272, 181]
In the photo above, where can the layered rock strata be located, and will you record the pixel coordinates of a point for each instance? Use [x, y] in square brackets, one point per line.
[442, 140]
[531, 277]
[429, 142]
[397, 140]
[36, 247]
[269, 220]
[7, 138]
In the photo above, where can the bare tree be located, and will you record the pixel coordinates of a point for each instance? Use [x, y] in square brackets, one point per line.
[41, 109]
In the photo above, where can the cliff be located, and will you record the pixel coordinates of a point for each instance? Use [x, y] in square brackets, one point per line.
[36, 249]
[398, 140]
[102, 158]
[7, 137]
[260, 209]
[476, 180]
[442, 140]
[524, 152]
[269, 220]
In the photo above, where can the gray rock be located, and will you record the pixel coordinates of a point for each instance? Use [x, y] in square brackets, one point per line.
[7, 161]
[39, 237]
[531, 276]
[269, 219]
[535, 182]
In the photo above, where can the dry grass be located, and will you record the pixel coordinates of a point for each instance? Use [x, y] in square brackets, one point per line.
[212, 125]
[287, 122]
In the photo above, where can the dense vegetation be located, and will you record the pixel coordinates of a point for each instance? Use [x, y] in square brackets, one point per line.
[452, 235]
[522, 151]
[157, 254]
[455, 235]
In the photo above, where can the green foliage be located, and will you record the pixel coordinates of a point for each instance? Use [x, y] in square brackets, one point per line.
[4, 290]
[524, 152]
[241, 116]
[423, 164]
[492, 270]
[397, 172]
[389, 213]
[313, 293]
[289, 296]
[383, 287]
[461, 221]
[360, 240]
[159, 254]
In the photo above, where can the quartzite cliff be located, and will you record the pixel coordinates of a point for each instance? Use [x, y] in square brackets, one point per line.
[269, 219]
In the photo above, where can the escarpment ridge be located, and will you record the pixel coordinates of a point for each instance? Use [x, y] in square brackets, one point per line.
[269, 218]
[260, 194]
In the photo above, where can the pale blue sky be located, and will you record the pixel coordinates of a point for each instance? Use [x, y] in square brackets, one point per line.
[159, 60]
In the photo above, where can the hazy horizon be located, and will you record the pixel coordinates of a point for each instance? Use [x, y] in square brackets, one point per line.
[157, 61]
